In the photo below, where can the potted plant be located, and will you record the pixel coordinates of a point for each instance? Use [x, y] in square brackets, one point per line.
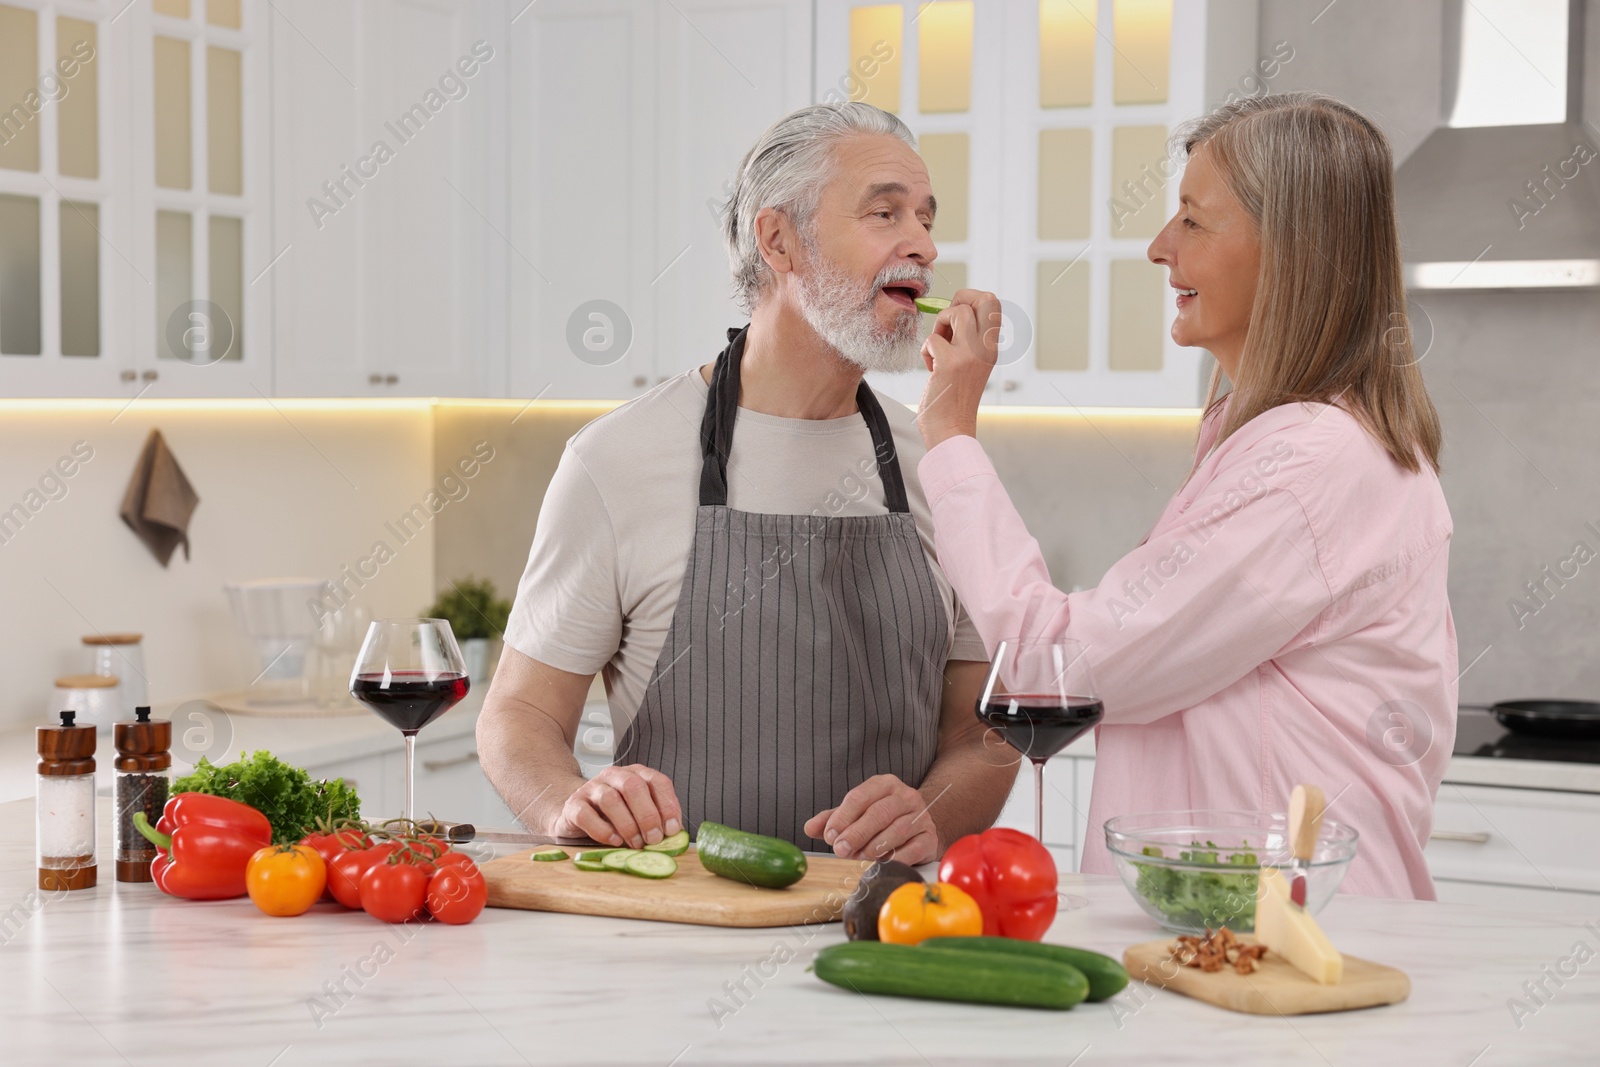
[478, 619]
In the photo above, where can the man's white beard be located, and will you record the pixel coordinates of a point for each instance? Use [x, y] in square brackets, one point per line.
[841, 310]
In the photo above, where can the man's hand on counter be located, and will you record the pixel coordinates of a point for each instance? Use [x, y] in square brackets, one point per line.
[633, 805]
[882, 818]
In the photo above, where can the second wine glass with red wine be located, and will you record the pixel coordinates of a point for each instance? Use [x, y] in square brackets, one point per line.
[409, 672]
[1040, 697]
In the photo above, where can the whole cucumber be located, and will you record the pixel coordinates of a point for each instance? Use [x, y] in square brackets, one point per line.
[970, 977]
[751, 858]
[1106, 976]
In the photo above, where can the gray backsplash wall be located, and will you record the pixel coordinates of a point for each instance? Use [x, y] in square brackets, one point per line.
[1512, 374]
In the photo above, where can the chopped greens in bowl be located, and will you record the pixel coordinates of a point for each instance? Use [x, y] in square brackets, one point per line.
[1183, 879]
[1201, 891]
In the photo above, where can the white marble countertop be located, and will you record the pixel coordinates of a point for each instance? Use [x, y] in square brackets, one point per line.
[120, 974]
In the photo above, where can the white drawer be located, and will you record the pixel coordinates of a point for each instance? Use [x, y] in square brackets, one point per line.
[1526, 837]
[368, 776]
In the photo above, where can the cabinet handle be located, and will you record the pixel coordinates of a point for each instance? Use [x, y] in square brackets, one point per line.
[640, 381]
[149, 375]
[1011, 385]
[1478, 837]
[374, 379]
[130, 376]
[454, 761]
[391, 379]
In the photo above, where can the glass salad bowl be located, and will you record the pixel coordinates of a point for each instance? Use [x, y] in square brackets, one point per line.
[1194, 870]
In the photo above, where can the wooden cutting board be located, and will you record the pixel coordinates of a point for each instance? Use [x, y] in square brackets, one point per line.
[1276, 988]
[692, 895]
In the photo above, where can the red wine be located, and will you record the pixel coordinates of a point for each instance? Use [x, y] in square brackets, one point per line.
[1037, 724]
[409, 700]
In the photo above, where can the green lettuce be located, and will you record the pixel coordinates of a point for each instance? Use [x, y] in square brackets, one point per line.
[1202, 898]
[285, 794]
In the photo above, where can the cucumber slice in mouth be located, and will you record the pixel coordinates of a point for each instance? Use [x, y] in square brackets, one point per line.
[931, 305]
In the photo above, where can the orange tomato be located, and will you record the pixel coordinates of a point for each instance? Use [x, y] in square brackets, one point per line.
[915, 912]
[286, 879]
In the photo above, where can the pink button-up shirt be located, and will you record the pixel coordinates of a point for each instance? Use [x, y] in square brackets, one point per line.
[1286, 620]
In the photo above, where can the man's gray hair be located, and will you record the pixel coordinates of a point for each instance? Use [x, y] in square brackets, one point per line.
[787, 170]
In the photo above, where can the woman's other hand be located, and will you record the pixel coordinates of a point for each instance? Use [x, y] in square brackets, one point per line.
[961, 351]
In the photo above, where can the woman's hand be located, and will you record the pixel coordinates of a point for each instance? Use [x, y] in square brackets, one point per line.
[961, 351]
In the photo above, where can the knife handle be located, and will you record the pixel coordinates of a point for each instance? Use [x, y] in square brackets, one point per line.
[1306, 805]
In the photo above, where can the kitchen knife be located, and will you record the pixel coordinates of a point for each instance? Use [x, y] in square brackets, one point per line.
[461, 832]
[1306, 805]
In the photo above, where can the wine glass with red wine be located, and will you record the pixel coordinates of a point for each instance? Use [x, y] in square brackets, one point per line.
[410, 672]
[1040, 698]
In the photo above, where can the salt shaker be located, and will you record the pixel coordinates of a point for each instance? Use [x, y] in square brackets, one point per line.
[65, 805]
[144, 777]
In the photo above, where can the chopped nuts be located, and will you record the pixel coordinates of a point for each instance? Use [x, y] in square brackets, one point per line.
[1217, 950]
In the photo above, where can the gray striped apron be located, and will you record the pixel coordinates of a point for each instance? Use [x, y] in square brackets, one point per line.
[806, 652]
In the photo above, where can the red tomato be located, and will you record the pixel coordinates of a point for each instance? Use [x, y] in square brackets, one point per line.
[395, 892]
[1011, 876]
[455, 859]
[344, 876]
[331, 846]
[457, 893]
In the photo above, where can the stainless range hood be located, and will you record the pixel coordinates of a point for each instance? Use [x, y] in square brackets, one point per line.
[1506, 195]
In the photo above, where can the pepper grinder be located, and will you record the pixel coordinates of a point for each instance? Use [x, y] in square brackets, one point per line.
[144, 773]
[65, 805]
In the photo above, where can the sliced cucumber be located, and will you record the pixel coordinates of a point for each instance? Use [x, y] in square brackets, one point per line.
[617, 860]
[676, 845]
[931, 305]
[595, 855]
[651, 865]
[588, 865]
[549, 855]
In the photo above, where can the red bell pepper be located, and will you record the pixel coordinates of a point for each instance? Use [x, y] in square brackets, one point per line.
[211, 842]
[1011, 876]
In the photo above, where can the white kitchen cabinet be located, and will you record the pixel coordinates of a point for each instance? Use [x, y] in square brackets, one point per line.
[369, 776]
[725, 72]
[1517, 899]
[1063, 812]
[384, 119]
[1527, 837]
[627, 122]
[451, 785]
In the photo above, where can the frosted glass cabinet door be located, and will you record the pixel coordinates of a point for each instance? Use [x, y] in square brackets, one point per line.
[1068, 105]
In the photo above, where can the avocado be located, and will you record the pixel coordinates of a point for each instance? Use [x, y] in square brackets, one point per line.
[877, 882]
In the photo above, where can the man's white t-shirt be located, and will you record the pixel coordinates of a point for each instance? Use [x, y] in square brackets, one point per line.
[617, 524]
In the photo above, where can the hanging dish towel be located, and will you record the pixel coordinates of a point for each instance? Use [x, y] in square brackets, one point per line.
[159, 500]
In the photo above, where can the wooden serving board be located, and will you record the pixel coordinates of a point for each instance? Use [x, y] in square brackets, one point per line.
[1275, 988]
[692, 895]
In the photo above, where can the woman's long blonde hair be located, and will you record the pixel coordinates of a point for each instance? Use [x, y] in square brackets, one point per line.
[1329, 321]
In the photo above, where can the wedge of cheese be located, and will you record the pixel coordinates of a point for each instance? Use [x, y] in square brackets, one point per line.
[1292, 933]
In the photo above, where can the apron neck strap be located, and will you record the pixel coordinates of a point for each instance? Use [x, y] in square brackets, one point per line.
[722, 409]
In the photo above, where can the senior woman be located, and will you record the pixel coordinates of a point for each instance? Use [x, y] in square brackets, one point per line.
[1286, 620]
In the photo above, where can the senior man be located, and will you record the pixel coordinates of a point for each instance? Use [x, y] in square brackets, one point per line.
[746, 556]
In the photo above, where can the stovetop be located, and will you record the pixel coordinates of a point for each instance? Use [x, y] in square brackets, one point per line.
[1479, 734]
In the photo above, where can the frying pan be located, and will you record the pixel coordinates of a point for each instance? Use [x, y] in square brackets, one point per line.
[1550, 718]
